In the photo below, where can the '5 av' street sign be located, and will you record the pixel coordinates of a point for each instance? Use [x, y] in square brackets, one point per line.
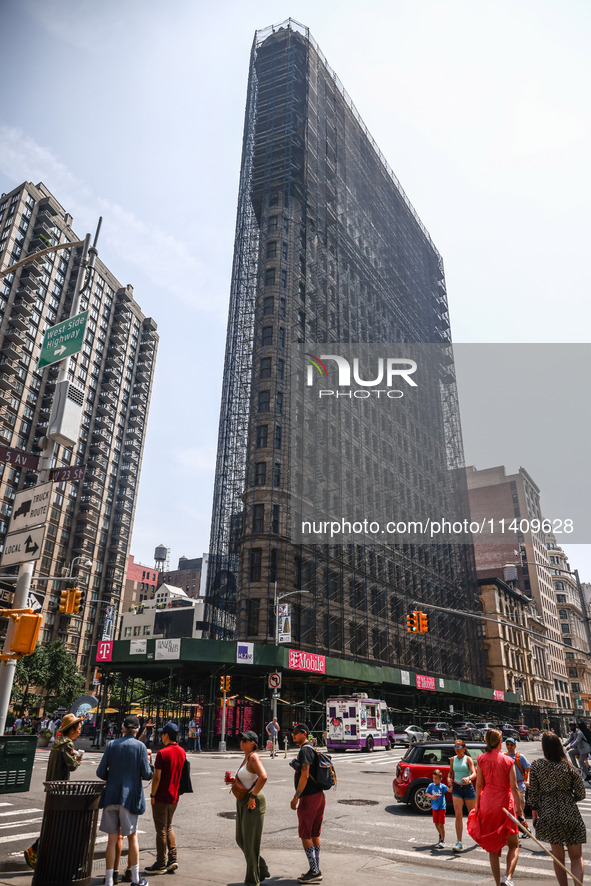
[63, 339]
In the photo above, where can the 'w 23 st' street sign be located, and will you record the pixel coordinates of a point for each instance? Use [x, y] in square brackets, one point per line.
[63, 340]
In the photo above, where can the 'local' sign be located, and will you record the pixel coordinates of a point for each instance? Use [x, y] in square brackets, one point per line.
[63, 339]
[21, 547]
[31, 507]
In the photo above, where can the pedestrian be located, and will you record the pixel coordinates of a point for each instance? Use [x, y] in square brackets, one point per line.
[251, 805]
[461, 778]
[273, 730]
[555, 788]
[309, 802]
[522, 767]
[164, 797]
[579, 747]
[123, 766]
[18, 723]
[193, 734]
[496, 787]
[63, 759]
[437, 792]
[52, 726]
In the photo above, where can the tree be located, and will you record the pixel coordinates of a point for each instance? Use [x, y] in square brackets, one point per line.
[32, 670]
[53, 672]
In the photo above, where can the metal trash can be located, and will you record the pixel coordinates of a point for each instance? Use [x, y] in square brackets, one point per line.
[17, 756]
[68, 832]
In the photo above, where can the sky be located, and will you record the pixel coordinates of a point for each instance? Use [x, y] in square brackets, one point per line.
[133, 110]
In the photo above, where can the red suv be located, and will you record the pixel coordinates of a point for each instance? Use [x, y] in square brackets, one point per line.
[415, 771]
[524, 731]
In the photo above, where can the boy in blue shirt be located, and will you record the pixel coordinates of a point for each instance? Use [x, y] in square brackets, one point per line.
[436, 793]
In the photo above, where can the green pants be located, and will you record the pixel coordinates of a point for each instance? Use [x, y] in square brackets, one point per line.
[249, 830]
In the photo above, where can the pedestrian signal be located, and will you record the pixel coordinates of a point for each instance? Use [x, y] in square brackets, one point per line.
[423, 623]
[25, 634]
[412, 623]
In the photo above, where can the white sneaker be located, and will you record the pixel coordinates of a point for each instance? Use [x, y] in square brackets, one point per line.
[506, 881]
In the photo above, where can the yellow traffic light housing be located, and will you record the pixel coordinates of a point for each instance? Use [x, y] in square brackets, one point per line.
[77, 599]
[225, 683]
[423, 623]
[25, 634]
[64, 601]
[412, 623]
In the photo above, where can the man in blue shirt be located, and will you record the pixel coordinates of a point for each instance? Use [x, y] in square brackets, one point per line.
[522, 767]
[124, 764]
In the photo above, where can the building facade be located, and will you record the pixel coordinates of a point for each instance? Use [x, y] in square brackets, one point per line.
[89, 526]
[141, 582]
[328, 249]
[496, 495]
[168, 614]
[574, 625]
[188, 575]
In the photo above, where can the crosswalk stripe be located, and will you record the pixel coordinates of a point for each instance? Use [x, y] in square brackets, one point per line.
[15, 837]
[21, 811]
[17, 824]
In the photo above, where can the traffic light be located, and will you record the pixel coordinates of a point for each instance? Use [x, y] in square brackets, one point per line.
[423, 623]
[77, 599]
[24, 634]
[412, 623]
[64, 600]
[225, 683]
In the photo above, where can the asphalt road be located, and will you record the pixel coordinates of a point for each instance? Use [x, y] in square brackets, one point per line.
[362, 816]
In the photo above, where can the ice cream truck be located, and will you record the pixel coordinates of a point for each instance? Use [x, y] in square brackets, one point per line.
[358, 722]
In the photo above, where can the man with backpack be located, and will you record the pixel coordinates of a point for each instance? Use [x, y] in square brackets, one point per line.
[522, 767]
[309, 802]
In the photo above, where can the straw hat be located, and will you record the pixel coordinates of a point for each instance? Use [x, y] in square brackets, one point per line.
[69, 721]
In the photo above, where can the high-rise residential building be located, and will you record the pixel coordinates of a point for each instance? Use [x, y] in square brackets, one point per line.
[329, 249]
[496, 495]
[89, 526]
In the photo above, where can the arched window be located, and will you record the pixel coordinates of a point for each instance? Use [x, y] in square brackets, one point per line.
[558, 585]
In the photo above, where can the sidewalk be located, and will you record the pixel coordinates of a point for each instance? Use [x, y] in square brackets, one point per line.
[227, 868]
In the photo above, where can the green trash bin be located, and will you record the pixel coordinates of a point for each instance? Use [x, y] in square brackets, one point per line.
[17, 756]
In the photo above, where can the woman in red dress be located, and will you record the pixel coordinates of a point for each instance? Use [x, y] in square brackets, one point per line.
[496, 787]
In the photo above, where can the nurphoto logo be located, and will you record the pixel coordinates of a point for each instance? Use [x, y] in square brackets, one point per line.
[389, 371]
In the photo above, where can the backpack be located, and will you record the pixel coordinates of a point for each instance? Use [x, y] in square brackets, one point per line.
[325, 777]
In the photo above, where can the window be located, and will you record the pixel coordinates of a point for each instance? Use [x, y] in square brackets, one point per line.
[264, 400]
[262, 436]
[272, 249]
[558, 585]
[273, 564]
[258, 518]
[270, 277]
[268, 305]
[276, 474]
[260, 473]
[280, 370]
[267, 338]
[253, 616]
[277, 436]
[265, 367]
[561, 598]
[565, 628]
[256, 557]
[275, 520]
[272, 223]
[279, 401]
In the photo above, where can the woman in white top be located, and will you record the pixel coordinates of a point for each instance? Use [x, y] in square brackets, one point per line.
[247, 785]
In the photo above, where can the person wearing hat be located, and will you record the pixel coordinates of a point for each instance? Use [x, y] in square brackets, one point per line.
[63, 759]
[164, 797]
[522, 767]
[309, 802]
[251, 805]
[123, 766]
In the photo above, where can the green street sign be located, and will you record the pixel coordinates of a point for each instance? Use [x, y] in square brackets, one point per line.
[63, 340]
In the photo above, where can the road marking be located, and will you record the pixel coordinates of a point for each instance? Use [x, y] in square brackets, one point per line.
[380, 850]
[15, 837]
[21, 811]
[16, 824]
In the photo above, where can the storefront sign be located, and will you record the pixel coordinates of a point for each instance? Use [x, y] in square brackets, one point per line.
[244, 653]
[405, 678]
[499, 695]
[305, 661]
[167, 649]
[104, 650]
[138, 647]
[425, 682]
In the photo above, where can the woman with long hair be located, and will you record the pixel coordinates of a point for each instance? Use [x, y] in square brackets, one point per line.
[496, 787]
[247, 785]
[462, 775]
[555, 788]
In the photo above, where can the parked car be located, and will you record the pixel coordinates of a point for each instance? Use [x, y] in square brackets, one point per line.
[410, 735]
[439, 730]
[468, 731]
[484, 726]
[414, 772]
[509, 731]
[525, 733]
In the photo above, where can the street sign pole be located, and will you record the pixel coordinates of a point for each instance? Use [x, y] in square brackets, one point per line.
[23, 585]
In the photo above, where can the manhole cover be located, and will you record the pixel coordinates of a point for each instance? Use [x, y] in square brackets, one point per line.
[359, 802]
[231, 815]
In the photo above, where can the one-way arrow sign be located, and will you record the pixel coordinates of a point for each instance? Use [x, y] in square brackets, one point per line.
[21, 547]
